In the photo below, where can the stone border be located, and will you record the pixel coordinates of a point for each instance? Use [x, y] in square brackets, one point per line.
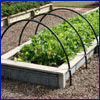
[40, 74]
[25, 14]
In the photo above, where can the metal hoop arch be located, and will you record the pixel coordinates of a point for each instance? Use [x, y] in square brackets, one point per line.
[52, 34]
[74, 12]
[65, 21]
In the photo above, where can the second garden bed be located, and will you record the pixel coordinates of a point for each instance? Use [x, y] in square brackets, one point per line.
[5, 21]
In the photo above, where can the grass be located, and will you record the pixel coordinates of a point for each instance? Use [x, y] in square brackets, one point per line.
[72, 3]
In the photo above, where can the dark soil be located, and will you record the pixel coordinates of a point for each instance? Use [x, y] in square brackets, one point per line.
[96, 4]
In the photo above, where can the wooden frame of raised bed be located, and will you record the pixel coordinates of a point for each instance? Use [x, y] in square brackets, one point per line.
[25, 14]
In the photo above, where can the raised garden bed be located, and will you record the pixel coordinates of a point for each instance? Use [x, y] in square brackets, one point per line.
[13, 7]
[25, 14]
[41, 74]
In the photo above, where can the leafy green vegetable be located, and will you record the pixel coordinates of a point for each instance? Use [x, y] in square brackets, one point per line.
[46, 50]
[13, 7]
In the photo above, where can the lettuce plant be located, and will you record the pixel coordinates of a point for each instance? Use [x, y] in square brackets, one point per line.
[46, 50]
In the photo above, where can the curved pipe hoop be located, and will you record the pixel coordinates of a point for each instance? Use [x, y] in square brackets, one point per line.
[52, 34]
[74, 12]
[84, 49]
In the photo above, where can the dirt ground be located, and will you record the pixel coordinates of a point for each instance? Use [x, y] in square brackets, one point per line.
[85, 82]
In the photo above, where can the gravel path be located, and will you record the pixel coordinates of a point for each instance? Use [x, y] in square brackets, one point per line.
[85, 82]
